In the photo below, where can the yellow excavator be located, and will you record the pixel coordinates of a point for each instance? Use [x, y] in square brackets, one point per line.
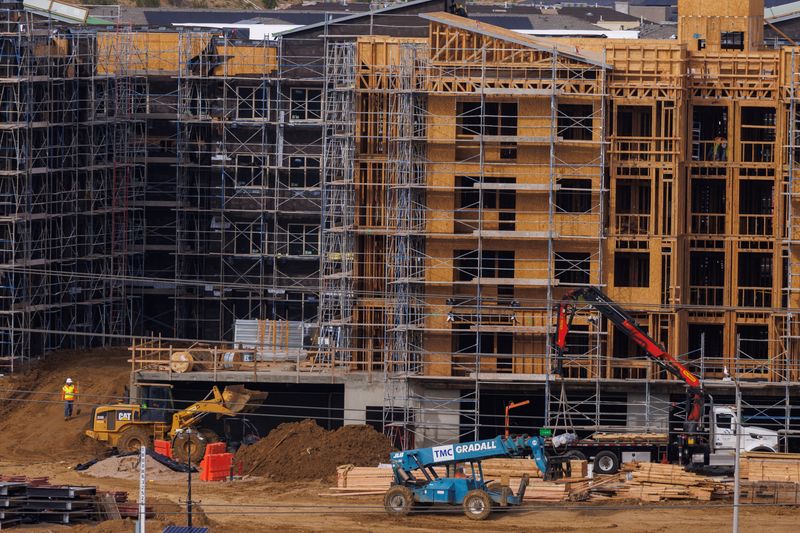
[127, 427]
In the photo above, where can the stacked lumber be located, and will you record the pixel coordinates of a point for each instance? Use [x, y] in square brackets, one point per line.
[654, 482]
[630, 437]
[361, 480]
[579, 469]
[540, 490]
[767, 466]
[513, 468]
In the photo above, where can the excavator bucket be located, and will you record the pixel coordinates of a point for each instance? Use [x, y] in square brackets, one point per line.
[241, 400]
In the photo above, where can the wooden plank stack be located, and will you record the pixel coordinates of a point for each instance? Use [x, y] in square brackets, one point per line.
[362, 480]
[767, 466]
[655, 438]
[653, 482]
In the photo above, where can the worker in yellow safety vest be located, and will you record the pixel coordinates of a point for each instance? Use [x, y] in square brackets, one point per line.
[68, 394]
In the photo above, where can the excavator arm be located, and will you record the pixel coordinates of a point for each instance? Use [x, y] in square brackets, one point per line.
[627, 324]
[234, 400]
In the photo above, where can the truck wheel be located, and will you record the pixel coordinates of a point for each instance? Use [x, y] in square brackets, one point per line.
[576, 455]
[398, 501]
[477, 505]
[606, 462]
[132, 439]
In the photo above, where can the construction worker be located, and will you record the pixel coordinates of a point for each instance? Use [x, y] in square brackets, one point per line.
[68, 393]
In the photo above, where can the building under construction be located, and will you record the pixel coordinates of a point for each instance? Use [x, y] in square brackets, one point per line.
[379, 214]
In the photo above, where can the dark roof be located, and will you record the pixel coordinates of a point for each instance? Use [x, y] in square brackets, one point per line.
[561, 22]
[512, 22]
[300, 15]
[597, 14]
[657, 31]
[657, 3]
[412, 8]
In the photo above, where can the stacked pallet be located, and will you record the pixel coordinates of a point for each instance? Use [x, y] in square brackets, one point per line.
[767, 466]
[61, 504]
[12, 502]
[35, 500]
[653, 482]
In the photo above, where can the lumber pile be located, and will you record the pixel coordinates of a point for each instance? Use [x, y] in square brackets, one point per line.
[630, 437]
[654, 482]
[496, 469]
[540, 490]
[361, 480]
[767, 466]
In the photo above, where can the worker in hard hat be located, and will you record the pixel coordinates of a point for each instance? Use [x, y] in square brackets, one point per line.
[68, 394]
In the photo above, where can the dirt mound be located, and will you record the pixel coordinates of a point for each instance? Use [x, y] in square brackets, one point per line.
[305, 451]
[32, 414]
[128, 468]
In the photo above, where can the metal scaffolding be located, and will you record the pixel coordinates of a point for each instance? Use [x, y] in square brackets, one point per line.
[69, 172]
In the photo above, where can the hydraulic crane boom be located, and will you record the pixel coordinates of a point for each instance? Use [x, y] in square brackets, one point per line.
[500, 446]
[617, 315]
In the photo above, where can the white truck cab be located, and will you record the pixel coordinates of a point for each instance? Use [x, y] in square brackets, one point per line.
[723, 437]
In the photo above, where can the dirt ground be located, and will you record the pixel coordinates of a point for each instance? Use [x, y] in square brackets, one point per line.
[36, 441]
[260, 505]
[32, 425]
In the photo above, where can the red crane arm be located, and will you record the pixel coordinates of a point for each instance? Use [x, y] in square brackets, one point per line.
[619, 317]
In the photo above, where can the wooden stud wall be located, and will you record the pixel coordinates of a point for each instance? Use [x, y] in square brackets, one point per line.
[667, 86]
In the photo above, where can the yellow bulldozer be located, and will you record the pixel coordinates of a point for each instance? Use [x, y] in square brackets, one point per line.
[128, 427]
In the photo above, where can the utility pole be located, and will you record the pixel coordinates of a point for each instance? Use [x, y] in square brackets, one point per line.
[736, 471]
[189, 495]
[142, 488]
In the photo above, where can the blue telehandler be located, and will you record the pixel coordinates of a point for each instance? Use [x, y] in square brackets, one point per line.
[417, 482]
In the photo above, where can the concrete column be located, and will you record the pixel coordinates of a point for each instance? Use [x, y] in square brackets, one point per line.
[359, 394]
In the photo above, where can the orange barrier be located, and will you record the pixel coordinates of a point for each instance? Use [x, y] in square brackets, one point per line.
[216, 467]
[164, 447]
[216, 448]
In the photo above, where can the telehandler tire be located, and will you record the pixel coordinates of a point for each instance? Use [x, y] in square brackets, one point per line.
[398, 501]
[477, 505]
[132, 439]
